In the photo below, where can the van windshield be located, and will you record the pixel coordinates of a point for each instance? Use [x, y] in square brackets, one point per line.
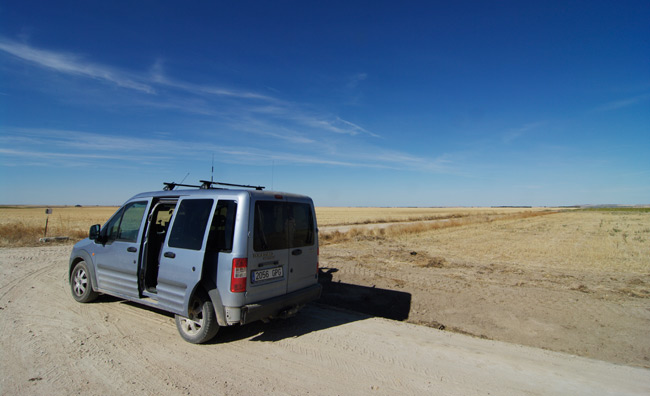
[282, 225]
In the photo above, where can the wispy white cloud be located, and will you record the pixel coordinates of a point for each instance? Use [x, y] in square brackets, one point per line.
[192, 106]
[284, 131]
[356, 79]
[622, 103]
[158, 76]
[67, 147]
[259, 127]
[331, 124]
[72, 64]
[393, 159]
[166, 92]
[43, 154]
[76, 65]
[516, 133]
[309, 120]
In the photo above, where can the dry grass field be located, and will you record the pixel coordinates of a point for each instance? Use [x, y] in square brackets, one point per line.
[331, 216]
[24, 225]
[573, 281]
[572, 241]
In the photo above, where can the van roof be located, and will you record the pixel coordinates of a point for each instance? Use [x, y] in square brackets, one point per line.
[211, 192]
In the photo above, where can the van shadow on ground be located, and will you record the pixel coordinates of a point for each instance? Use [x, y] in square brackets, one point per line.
[340, 303]
[371, 301]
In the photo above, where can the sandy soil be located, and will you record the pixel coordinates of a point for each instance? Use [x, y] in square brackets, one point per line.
[51, 345]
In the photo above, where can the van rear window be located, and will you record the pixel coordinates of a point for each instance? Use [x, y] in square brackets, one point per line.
[282, 225]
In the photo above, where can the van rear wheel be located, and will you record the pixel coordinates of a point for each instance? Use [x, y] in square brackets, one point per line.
[201, 325]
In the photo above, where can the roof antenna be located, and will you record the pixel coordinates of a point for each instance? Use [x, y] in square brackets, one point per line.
[212, 174]
[188, 173]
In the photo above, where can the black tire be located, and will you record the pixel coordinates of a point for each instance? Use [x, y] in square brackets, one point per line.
[202, 324]
[80, 284]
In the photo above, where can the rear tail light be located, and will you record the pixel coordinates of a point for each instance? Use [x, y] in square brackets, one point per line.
[238, 276]
[317, 259]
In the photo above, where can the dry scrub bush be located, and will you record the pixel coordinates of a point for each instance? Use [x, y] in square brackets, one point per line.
[23, 226]
[19, 234]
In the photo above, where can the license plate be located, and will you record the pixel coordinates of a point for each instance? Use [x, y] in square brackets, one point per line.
[266, 274]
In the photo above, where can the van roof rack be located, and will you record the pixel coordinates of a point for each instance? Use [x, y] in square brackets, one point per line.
[172, 185]
[209, 184]
[206, 184]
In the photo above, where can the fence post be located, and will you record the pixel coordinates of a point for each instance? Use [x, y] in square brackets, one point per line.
[48, 211]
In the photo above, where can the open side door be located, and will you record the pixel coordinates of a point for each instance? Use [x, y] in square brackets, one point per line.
[181, 258]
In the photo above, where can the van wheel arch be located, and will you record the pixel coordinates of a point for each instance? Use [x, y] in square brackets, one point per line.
[80, 280]
[219, 309]
[200, 325]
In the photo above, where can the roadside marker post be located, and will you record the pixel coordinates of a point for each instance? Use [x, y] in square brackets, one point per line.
[48, 212]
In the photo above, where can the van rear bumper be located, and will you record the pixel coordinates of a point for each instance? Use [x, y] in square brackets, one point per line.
[281, 306]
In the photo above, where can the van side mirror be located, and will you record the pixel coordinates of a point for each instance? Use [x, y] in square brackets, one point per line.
[94, 232]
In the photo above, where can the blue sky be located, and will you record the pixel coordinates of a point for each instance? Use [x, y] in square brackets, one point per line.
[354, 103]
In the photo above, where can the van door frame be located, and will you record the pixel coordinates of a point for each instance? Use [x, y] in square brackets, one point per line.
[145, 264]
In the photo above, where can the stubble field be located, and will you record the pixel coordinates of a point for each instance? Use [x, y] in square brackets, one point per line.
[570, 281]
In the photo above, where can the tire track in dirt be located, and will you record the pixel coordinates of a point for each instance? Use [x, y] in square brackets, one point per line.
[333, 351]
[9, 287]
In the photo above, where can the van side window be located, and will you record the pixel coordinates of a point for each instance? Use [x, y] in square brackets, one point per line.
[125, 224]
[282, 225]
[111, 228]
[189, 226]
[131, 221]
[302, 233]
[269, 230]
[222, 229]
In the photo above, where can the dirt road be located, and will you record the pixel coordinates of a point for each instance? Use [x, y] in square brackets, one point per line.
[51, 345]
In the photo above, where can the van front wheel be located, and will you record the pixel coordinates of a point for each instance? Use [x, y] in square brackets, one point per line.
[80, 286]
[201, 326]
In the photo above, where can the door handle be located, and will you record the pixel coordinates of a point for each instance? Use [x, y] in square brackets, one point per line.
[131, 249]
[296, 252]
[169, 254]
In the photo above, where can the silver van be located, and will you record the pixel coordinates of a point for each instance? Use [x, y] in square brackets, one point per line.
[212, 256]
